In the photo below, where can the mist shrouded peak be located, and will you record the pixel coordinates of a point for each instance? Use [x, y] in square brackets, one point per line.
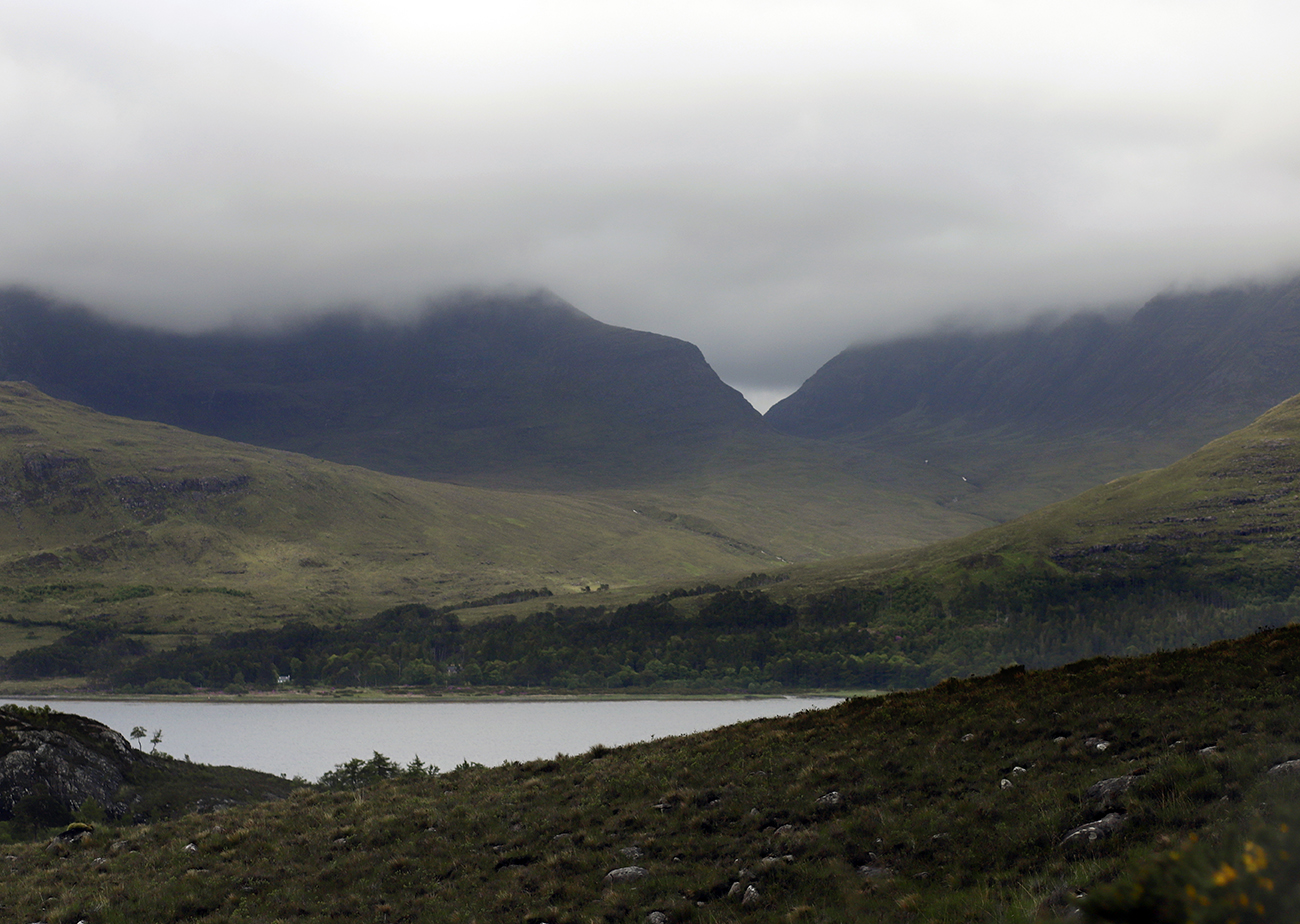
[811, 174]
[1226, 353]
[520, 387]
[1010, 420]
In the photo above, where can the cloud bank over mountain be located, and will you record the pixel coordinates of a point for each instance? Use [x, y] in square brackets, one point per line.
[770, 181]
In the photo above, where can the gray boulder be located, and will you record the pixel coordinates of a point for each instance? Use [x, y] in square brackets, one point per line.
[626, 874]
[1286, 768]
[876, 873]
[1094, 831]
[1105, 794]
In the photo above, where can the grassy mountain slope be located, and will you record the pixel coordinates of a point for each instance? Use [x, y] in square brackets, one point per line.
[950, 804]
[171, 533]
[158, 525]
[1202, 550]
[1227, 514]
[1017, 419]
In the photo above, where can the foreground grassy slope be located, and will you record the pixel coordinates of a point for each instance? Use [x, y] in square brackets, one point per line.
[950, 804]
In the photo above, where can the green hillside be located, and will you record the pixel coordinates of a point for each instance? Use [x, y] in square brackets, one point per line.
[1202, 550]
[1226, 514]
[968, 802]
[162, 526]
[175, 533]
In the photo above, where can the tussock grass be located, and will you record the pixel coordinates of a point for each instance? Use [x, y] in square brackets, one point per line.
[922, 828]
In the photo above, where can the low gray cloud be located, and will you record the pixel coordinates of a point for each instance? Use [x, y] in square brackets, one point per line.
[769, 180]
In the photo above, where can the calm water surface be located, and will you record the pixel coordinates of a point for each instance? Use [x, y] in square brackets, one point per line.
[307, 739]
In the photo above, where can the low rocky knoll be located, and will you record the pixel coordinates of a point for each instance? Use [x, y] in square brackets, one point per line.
[55, 766]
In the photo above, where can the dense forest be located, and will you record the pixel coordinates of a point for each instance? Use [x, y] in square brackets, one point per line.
[902, 631]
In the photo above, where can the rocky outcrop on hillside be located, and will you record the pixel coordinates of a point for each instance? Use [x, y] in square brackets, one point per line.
[54, 765]
[66, 758]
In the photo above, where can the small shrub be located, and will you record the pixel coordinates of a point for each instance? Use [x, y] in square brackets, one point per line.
[1253, 880]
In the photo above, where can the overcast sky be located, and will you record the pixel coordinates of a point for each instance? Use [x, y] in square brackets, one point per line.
[771, 180]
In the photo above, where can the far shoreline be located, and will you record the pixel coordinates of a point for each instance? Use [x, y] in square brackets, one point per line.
[348, 695]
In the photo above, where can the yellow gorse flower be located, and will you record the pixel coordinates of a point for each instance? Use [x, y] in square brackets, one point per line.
[1224, 875]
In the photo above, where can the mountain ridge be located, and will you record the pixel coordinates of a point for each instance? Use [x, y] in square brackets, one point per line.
[520, 389]
[1230, 346]
[1021, 418]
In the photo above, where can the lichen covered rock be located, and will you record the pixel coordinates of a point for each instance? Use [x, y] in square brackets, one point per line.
[69, 758]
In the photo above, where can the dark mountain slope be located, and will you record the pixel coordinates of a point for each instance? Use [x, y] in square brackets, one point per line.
[525, 389]
[1037, 414]
[1225, 353]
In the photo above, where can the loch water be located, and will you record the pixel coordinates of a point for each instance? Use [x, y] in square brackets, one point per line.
[308, 738]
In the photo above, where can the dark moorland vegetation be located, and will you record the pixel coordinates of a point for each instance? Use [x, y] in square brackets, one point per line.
[956, 803]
